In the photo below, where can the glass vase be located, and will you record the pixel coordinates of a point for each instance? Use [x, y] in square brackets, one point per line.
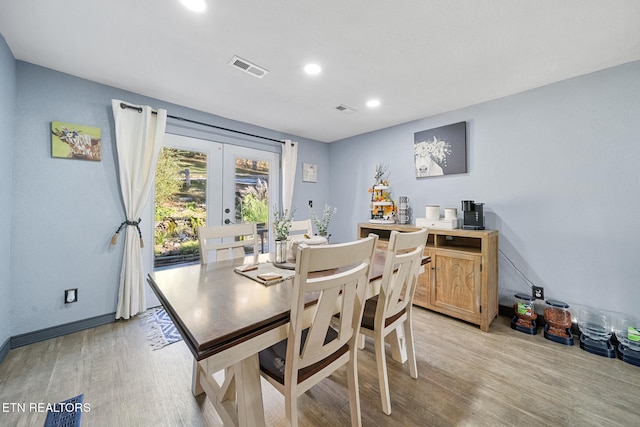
[280, 255]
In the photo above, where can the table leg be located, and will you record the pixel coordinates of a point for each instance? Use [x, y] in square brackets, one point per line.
[196, 388]
[249, 393]
[238, 399]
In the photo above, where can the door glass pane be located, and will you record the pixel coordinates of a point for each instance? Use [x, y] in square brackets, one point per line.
[180, 206]
[252, 195]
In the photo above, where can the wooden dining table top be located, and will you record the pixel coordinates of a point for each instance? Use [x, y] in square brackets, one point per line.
[216, 308]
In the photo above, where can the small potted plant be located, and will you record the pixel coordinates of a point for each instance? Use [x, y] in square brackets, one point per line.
[322, 225]
[281, 227]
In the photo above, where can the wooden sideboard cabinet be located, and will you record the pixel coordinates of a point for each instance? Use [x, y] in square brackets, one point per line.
[462, 278]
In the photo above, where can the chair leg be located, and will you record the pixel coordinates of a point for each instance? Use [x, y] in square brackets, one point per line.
[411, 352]
[398, 346]
[354, 390]
[291, 407]
[361, 341]
[383, 380]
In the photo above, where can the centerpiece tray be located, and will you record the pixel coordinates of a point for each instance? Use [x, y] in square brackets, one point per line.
[286, 265]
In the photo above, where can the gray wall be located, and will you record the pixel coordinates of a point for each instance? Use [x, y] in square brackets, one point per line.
[69, 209]
[557, 169]
[7, 102]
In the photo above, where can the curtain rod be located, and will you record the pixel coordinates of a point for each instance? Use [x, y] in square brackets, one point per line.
[139, 109]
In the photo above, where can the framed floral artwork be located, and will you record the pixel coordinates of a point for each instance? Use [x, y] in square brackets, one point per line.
[441, 151]
[309, 172]
[71, 141]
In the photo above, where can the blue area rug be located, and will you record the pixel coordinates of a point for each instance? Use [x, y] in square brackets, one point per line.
[162, 331]
[66, 414]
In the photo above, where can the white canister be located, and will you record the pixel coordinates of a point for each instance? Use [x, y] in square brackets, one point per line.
[450, 213]
[433, 212]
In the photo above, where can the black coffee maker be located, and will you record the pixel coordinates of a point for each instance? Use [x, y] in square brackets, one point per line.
[473, 215]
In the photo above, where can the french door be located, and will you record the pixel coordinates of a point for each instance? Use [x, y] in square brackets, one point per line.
[200, 182]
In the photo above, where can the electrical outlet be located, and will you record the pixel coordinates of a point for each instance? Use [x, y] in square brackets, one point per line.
[538, 292]
[71, 295]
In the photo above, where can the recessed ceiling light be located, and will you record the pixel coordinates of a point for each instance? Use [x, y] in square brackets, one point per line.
[195, 5]
[372, 103]
[312, 69]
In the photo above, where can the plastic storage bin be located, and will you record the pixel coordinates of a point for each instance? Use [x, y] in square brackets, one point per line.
[557, 319]
[627, 332]
[524, 315]
[595, 331]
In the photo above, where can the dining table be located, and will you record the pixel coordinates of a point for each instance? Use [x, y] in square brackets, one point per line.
[226, 318]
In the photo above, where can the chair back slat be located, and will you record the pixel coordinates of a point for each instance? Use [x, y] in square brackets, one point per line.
[226, 242]
[299, 228]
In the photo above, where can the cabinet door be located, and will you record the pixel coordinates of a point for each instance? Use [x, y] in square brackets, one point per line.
[425, 283]
[457, 287]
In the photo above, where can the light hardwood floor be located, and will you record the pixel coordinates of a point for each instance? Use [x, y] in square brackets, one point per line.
[467, 378]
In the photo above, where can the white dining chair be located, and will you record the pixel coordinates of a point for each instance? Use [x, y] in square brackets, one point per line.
[315, 348]
[299, 231]
[300, 228]
[392, 307]
[226, 242]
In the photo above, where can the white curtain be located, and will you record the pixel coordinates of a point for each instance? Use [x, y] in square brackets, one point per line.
[289, 162]
[139, 135]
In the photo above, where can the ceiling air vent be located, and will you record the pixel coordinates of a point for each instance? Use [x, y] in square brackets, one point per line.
[345, 109]
[248, 67]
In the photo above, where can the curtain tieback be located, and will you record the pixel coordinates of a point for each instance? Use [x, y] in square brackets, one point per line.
[135, 224]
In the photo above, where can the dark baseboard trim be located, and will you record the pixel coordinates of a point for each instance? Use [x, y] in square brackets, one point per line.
[4, 350]
[60, 330]
[505, 310]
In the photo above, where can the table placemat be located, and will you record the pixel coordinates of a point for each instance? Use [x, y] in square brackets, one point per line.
[266, 273]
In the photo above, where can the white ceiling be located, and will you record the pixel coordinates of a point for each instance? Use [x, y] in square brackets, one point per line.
[419, 57]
